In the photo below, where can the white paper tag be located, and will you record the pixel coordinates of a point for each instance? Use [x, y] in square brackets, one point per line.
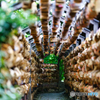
[90, 75]
[79, 67]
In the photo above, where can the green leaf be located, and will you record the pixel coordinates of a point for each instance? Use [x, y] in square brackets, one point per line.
[11, 95]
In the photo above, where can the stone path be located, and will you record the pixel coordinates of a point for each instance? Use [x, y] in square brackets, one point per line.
[51, 96]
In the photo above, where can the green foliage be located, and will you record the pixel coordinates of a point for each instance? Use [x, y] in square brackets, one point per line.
[2, 63]
[26, 18]
[8, 22]
[8, 95]
[51, 59]
[7, 91]
[61, 70]
[13, 20]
